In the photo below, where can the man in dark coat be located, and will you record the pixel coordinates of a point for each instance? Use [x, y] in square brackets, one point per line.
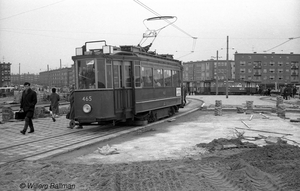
[54, 99]
[28, 101]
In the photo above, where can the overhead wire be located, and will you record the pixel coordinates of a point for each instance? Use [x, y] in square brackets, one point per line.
[292, 38]
[31, 10]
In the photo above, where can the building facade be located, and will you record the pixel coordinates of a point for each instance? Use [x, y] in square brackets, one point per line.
[19, 79]
[63, 77]
[200, 74]
[5, 80]
[268, 69]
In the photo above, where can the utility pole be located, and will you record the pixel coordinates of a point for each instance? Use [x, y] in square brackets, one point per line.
[217, 82]
[227, 66]
[19, 74]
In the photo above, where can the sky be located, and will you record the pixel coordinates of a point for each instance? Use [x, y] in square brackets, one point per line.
[36, 34]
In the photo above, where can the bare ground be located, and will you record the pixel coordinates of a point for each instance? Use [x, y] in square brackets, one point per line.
[273, 167]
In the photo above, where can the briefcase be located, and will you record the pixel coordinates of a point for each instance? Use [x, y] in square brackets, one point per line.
[19, 115]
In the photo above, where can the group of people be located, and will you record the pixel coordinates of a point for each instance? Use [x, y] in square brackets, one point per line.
[287, 91]
[29, 100]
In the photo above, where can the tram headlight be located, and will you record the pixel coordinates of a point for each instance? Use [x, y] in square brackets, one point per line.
[87, 108]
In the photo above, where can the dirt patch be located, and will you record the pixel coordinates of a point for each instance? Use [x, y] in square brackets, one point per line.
[273, 167]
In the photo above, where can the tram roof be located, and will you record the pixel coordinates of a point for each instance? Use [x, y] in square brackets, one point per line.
[128, 50]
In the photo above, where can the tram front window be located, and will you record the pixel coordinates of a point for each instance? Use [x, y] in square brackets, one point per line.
[86, 74]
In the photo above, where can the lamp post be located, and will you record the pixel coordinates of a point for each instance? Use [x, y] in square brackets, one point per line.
[216, 73]
[227, 66]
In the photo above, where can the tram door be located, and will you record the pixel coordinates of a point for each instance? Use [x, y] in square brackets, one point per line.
[122, 73]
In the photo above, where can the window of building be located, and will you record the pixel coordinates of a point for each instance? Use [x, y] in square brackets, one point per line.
[280, 71]
[242, 77]
[242, 63]
[280, 63]
[242, 70]
[272, 77]
[272, 63]
[249, 71]
[272, 70]
[249, 63]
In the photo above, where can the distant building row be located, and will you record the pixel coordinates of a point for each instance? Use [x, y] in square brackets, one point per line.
[267, 70]
[63, 77]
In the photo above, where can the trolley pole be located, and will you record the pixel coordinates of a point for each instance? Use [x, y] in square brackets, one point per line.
[217, 82]
[227, 71]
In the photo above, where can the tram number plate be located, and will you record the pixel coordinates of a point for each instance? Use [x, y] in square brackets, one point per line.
[87, 98]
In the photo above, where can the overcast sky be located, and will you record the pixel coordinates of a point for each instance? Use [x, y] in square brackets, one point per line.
[40, 33]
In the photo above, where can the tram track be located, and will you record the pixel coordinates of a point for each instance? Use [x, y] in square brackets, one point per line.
[57, 148]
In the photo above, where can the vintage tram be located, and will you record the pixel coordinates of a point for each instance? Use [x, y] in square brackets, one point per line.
[125, 83]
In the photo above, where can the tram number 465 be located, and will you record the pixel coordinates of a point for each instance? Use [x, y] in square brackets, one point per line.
[87, 98]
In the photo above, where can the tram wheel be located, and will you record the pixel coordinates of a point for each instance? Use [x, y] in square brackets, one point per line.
[72, 124]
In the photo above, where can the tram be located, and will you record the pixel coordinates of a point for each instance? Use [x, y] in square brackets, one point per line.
[125, 83]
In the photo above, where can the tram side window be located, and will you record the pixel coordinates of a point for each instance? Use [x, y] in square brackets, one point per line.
[147, 76]
[117, 74]
[137, 76]
[101, 73]
[127, 74]
[158, 77]
[168, 78]
[86, 74]
[109, 76]
[176, 78]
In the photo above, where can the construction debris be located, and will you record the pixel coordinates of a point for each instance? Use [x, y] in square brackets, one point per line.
[222, 143]
[107, 150]
[246, 124]
[263, 131]
[250, 117]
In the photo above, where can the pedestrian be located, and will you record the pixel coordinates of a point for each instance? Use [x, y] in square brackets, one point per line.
[28, 102]
[71, 114]
[185, 94]
[54, 106]
[289, 91]
[283, 92]
[294, 91]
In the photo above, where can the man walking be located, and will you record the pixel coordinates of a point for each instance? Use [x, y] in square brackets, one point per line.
[54, 99]
[28, 101]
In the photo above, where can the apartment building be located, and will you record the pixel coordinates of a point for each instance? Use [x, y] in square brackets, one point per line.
[5, 74]
[268, 69]
[200, 74]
